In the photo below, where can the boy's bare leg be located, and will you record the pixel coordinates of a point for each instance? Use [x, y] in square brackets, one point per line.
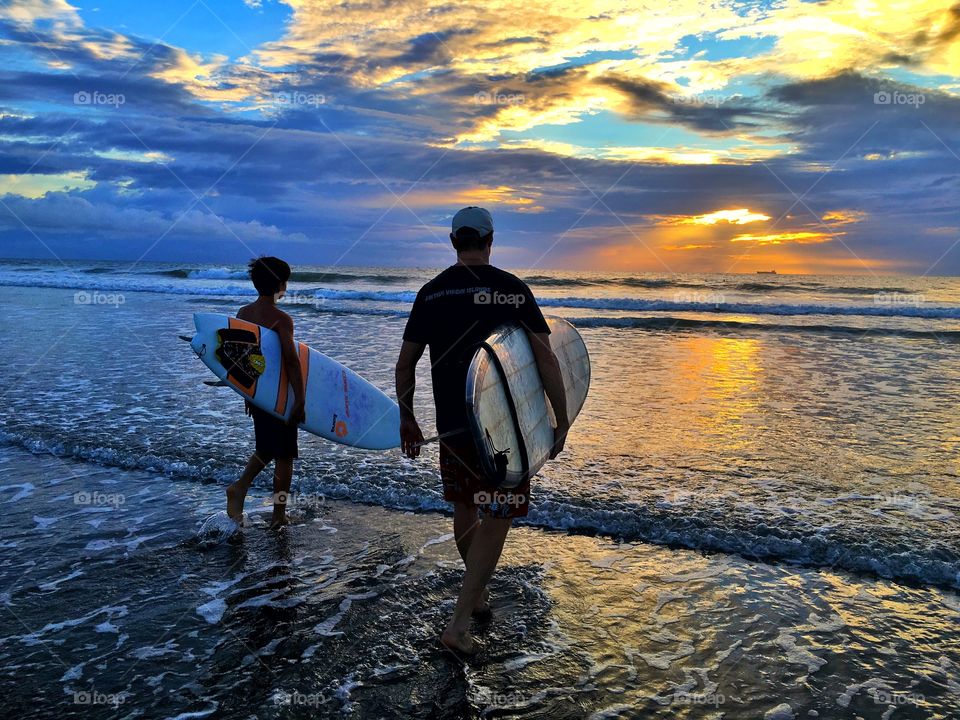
[465, 525]
[282, 477]
[485, 549]
[237, 492]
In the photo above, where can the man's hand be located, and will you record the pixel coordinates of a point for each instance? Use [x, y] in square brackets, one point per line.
[552, 378]
[297, 415]
[410, 437]
[559, 438]
[247, 408]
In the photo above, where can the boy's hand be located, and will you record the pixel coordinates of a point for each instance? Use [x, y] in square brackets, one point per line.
[410, 437]
[297, 415]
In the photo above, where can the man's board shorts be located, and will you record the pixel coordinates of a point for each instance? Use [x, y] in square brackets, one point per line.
[465, 482]
[275, 439]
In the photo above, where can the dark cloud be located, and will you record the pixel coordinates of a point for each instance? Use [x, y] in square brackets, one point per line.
[852, 115]
[317, 176]
[950, 21]
[713, 114]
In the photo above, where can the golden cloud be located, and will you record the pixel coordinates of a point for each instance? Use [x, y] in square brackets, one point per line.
[843, 217]
[799, 238]
[503, 196]
[737, 216]
[36, 185]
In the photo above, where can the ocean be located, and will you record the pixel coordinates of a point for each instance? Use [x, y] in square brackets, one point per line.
[756, 514]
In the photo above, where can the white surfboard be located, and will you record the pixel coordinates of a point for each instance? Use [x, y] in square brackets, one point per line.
[340, 405]
[510, 417]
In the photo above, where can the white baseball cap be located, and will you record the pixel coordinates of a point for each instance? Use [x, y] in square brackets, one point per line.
[477, 218]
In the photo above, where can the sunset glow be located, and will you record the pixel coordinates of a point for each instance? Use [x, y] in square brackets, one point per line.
[338, 132]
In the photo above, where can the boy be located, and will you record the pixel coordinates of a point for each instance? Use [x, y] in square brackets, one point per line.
[276, 440]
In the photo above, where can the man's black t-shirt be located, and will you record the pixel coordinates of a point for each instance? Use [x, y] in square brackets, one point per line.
[453, 314]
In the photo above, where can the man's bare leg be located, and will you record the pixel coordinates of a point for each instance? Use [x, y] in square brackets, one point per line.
[237, 492]
[282, 477]
[485, 549]
[465, 524]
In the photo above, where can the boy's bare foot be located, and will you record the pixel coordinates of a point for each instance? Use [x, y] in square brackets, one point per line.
[235, 497]
[462, 645]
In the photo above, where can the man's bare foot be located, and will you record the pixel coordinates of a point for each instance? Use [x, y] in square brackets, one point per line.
[278, 522]
[235, 497]
[461, 645]
[482, 610]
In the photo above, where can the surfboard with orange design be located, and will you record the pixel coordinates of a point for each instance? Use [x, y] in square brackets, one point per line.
[340, 405]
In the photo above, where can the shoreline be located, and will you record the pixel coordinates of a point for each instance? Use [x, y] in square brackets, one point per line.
[864, 567]
[339, 614]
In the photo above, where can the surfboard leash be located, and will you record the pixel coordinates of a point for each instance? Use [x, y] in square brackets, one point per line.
[441, 436]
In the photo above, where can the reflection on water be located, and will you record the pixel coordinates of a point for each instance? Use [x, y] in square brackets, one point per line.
[717, 388]
[780, 446]
[338, 616]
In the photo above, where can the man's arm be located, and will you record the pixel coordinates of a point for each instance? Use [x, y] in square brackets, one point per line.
[291, 362]
[410, 434]
[553, 384]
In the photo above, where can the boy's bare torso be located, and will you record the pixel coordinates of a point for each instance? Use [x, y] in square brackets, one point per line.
[264, 314]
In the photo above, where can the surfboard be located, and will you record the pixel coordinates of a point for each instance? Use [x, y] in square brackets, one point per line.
[507, 409]
[340, 405]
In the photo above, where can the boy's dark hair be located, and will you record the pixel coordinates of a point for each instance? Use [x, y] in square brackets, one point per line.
[467, 238]
[268, 274]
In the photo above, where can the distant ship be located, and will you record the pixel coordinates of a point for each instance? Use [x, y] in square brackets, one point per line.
[766, 272]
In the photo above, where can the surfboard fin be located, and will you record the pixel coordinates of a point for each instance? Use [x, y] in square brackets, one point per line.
[185, 338]
[215, 383]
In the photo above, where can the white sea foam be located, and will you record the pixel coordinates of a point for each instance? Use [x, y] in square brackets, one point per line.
[212, 611]
[220, 273]
[122, 284]
[23, 490]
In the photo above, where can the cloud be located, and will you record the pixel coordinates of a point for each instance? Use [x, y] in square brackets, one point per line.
[554, 127]
[737, 216]
[800, 238]
[34, 185]
[58, 212]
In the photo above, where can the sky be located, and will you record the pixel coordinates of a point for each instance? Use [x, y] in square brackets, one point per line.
[612, 135]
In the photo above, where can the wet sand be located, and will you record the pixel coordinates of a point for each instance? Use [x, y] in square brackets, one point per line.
[115, 607]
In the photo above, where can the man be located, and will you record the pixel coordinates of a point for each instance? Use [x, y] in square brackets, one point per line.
[453, 314]
[276, 440]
